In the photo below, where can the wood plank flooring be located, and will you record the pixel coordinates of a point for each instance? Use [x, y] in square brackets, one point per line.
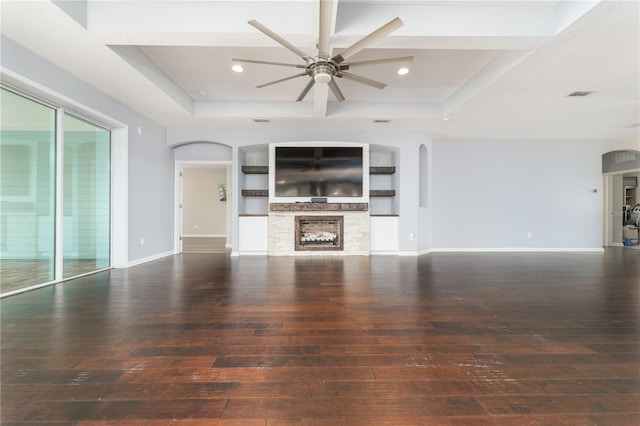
[442, 339]
[204, 245]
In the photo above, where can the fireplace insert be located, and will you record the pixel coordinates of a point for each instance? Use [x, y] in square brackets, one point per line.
[319, 233]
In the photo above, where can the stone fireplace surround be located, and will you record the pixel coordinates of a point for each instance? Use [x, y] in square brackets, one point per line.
[282, 221]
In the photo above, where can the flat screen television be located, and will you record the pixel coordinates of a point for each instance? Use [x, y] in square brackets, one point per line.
[319, 171]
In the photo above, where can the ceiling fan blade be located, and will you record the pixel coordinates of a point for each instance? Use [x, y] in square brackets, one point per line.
[257, 25]
[380, 61]
[281, 80]
[363, 80]
[336, 90]
[306, 90]
[364, 42]
[254, 61]
[324, 31]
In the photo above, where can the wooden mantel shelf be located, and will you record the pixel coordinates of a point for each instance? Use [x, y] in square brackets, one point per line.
[305, 207]
[265, 193]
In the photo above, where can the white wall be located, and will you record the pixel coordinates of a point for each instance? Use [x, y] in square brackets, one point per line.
[491, 194]
[202, 151]
[203, 213]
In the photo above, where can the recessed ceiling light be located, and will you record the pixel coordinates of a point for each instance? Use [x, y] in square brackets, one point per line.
[403, 71]
[237, 68]
[204, 93]
[445, 119]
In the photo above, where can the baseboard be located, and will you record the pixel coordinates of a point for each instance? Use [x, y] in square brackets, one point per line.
[518, 249]
[150, 258]
[461, 250]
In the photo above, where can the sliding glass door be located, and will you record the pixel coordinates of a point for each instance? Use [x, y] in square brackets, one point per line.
[86, 197]
[54, 194]
[27, 192]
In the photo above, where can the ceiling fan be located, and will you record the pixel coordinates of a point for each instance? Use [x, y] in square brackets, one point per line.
[324, 69]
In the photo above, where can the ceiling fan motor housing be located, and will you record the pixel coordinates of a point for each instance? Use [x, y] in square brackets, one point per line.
[322, 72]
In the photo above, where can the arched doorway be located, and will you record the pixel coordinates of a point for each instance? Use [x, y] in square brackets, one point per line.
[621, 177]
[203, 198]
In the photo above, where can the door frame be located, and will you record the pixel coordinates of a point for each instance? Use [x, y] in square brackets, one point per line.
[609, 210]
[177, 205]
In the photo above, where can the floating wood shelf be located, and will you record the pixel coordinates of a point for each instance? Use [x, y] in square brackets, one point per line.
[382, 193]
[255, 192]
[255, 170]
[379, 170]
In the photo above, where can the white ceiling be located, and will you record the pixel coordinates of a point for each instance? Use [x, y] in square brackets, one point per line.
[495, 69]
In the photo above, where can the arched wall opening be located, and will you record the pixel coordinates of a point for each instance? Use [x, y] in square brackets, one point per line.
[204, 202]
[621, 197]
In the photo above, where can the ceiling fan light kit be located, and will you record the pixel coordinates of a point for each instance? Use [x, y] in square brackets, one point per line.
[322, 72]
[321, 68]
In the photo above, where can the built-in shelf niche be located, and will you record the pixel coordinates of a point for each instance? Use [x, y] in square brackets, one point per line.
[382, 180]
[254, 178]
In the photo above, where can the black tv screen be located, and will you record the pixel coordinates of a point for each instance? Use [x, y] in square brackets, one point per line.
[333, 171]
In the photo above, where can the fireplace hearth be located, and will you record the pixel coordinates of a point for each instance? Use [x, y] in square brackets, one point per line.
[319, 233]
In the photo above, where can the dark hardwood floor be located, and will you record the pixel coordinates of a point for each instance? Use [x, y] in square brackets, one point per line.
[443, 339]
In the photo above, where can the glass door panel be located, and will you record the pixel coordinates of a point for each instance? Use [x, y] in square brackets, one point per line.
[86, 218]
[27, 192]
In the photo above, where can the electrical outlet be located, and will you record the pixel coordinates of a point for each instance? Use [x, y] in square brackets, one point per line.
[529, 234]
[411, 237]
[141, 241]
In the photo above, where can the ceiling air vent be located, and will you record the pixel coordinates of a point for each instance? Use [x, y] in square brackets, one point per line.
[261, 120]
[381, 121]
[580, 93]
